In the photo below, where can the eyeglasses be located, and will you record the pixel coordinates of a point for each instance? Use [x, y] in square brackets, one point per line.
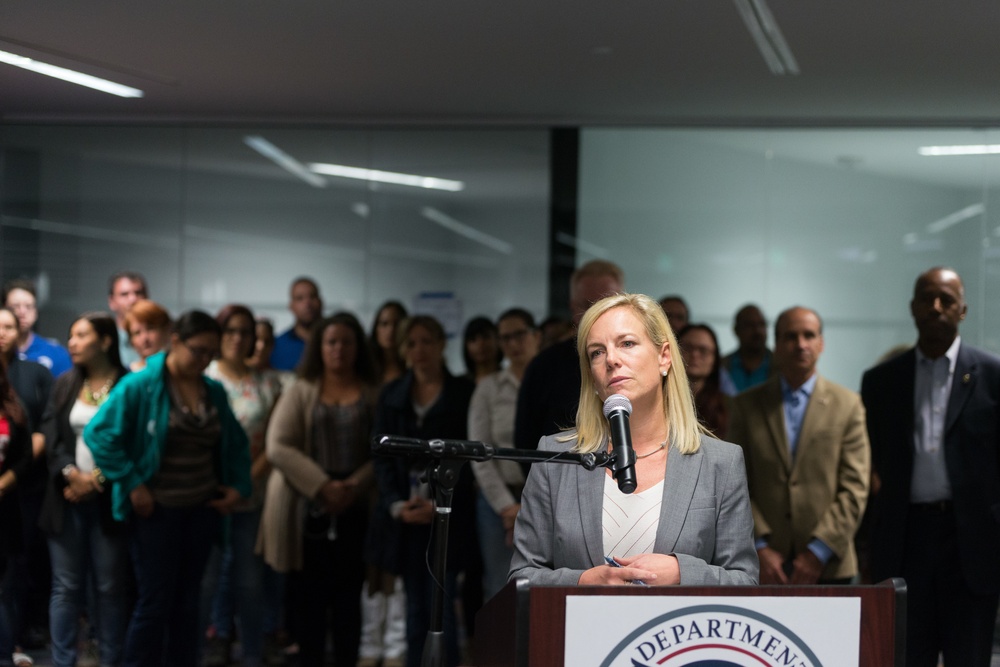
[514, 335]
[202, 352]
[699, 349]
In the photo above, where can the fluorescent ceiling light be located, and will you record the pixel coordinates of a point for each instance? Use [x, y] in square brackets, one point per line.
[953, 219]
[968, 149]
[284, 160]
[465, 230]
[767, 35]
[79, 78]
[581, 245]
[387, 177]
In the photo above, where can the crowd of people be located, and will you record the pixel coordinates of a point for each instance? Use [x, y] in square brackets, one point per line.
[172, 488]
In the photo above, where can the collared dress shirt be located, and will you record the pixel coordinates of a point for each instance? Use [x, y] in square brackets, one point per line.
[931, 390]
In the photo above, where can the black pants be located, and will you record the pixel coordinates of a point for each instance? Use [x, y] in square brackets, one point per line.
[942, 613]
[328, 592]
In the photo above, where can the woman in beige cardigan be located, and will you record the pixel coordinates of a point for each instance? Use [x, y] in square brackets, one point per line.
[316, 508]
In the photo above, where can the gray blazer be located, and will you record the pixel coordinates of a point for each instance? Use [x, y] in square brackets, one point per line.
[706, 520]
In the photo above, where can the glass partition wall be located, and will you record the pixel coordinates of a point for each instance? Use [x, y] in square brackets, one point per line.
[219, 215]
[840, 220]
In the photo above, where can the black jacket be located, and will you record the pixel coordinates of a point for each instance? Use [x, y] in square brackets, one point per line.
[446, 419]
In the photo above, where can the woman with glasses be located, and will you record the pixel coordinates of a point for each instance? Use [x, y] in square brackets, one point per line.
[235, 581]
[700, 351]
[85, 542]
[491, 420]
[176, 459]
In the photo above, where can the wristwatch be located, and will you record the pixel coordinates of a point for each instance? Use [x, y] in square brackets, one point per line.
[67, 469]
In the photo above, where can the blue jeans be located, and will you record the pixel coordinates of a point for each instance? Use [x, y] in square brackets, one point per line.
[169, 553]
[234, 583]
[493, 545]
[80, 550]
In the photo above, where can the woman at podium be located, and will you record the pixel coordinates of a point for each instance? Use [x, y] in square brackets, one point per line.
[688, 521]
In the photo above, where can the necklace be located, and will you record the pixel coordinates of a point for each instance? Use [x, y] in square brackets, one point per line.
[647, 454]
[96, 397]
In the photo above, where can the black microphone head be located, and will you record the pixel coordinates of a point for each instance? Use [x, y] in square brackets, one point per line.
[616, 402]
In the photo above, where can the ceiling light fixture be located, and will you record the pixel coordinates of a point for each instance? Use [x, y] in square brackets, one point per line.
[284, 160]
[968, 149]
[767, 35]
[386, 177]
[462, 229]
[72, 76]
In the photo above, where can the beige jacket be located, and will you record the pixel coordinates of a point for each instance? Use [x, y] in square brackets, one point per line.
[822, 493]
[296, 478]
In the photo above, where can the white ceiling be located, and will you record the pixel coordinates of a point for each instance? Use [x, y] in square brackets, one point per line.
[519, 62]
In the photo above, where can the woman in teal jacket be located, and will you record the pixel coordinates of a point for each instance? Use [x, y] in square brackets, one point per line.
[176, 460]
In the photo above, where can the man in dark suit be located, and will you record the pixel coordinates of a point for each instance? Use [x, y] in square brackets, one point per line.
[550, 389]
[934, 427]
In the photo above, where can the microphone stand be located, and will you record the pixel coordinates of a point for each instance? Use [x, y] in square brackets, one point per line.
[447, 458]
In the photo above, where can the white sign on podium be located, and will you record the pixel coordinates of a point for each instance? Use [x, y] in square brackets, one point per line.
[679, 631]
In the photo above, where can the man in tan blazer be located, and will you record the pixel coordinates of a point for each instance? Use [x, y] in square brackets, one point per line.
[808, 461]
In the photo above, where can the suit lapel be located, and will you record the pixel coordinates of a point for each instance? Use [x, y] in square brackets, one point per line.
[678, 489]
[813, 419]
[590, 491]
[962, 384]
[774, 411]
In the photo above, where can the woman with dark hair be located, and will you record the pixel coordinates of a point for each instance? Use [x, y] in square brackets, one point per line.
[389, 364]
[316, 508]
[481, 349]
[85, 542]
[700, 351]
[148, 327]
[426, 402]
[15, 457]
[29, 573]
[491, 420]
[383, 602]
[235, 579]
[176, 460]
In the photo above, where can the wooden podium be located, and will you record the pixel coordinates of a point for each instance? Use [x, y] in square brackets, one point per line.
[523, 626]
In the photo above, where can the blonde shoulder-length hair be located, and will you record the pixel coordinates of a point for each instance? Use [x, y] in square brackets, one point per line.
[592, 430]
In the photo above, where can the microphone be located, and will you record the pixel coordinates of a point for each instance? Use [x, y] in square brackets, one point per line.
[617, 409]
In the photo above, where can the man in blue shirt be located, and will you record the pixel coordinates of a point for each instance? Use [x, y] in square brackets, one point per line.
[808, 461]
[307, 306]
[750, 364]
[20, 297]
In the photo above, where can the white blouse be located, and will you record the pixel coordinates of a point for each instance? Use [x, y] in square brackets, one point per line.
[630, 519]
